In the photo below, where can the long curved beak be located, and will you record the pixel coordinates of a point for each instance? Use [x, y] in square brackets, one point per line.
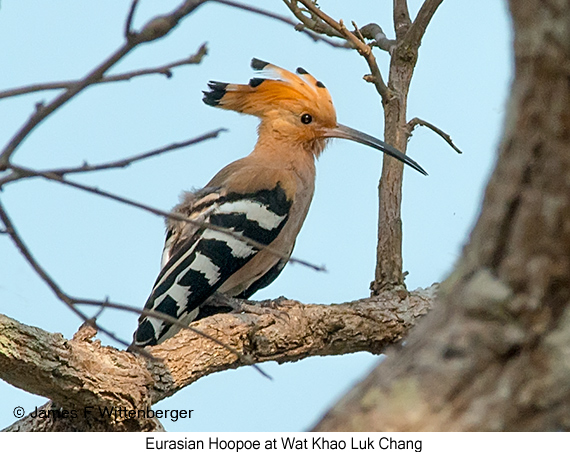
[349, 133]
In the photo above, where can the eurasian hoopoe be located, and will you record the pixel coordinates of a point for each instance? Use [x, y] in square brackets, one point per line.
[264, 197]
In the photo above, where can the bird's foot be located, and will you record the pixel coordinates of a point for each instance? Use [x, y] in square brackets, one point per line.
[223, 303]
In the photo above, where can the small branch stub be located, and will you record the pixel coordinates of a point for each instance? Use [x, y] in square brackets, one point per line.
[413, 123]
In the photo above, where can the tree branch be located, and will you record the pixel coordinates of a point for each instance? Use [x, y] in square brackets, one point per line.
[358, 44]
[402, 19]
[58, 292]
[155, 29]
[413, 123]
[417, 29]
[313, 22]
[32, 356]
[314, 36]
[165, 70]
[122, 163]
[245, 360]
[162, 213]
[402, 64]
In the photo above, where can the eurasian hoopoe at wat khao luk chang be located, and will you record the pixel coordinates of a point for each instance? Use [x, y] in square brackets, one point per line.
[263, 197]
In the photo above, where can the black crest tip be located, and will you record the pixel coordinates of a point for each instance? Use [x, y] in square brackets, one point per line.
[258, 65]
[217, 91]
[255, 82]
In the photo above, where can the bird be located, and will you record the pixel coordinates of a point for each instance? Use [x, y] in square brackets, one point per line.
[263, 197]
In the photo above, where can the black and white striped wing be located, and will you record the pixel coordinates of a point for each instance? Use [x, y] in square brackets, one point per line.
[202, 262]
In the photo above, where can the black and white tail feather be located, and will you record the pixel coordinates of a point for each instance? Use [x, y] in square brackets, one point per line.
[196, 260]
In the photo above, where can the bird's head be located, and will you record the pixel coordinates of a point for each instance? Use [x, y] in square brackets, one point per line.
[292, 106]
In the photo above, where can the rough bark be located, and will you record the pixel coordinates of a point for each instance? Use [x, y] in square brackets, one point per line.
[81, 372]
[495, 352]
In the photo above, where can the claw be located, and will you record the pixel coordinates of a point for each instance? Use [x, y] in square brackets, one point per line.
[221, 303]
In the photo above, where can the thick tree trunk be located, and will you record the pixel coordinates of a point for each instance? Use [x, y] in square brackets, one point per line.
[495, 352]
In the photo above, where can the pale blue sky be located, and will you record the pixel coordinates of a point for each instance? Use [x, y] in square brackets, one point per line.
[96, 248]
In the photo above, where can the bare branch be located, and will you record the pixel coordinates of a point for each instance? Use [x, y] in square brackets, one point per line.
[163, 213]
[313, 22]
[60, 294]
[416, 31]
[357, 32]
[43, 111]
[169, 319]
[413, 123]
[144, 156]
[243, 359]
[124, 380]
[129, 22]
[86, 168]
[165, 70]
[314, 36]
[361, 47]
[403, 60]
[155, 29]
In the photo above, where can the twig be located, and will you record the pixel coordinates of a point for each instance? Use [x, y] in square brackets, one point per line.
[146, 155]
[413, 123]
[313, 23]
[313, 36]
[165, 214]
[129, 22]
[357, 32]
[161, 70]
[361, 47]
[85, 168]
[102, 305]
[44, 111]
[59, 293]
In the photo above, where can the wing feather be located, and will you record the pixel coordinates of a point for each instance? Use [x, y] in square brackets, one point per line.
[197, 260]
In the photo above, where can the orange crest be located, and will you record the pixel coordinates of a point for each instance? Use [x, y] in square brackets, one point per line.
[276, 89]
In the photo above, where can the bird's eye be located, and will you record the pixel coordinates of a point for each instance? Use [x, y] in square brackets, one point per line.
[306, 118]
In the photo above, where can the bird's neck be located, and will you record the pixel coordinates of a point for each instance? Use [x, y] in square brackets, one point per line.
[285, 154]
